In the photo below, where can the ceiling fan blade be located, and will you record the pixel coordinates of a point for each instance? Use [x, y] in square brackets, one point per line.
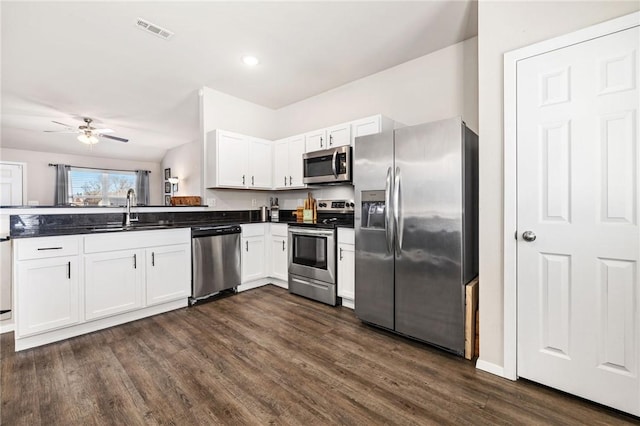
[115, 138]
[62, 124]
[100, 131]
[61, 131]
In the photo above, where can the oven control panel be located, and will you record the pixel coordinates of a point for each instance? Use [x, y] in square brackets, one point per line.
[336, 205]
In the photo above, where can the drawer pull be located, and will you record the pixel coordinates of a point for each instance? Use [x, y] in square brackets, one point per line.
[49, 248]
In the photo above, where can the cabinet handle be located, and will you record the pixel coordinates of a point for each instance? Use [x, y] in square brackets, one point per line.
[69, 270]
[330, 139]
[252, 180]
[49, 248]
[285, 181]
[246, 245]
[320, 141]
[153, 258]
[243, 179]
[283, 249]
[135, 262]
[290, 179]
[340, 253]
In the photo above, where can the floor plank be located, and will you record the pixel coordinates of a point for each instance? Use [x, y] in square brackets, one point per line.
[266, 357]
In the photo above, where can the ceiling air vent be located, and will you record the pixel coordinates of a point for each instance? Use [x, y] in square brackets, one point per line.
[153, 29]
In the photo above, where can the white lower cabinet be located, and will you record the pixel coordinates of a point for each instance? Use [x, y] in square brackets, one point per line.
[168, 269]
[346, 266]
[114, 283]
[126, 276]
[279, 252]
[47, 294]
[253, 252]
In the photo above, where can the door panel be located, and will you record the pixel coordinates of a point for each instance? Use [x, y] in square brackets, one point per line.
[374, 286]
[11, 184]
[577, 158]
[428, 270]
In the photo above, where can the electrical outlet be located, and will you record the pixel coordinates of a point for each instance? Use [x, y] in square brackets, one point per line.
[254, 202]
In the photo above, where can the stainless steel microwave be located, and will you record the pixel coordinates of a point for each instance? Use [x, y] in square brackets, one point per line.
[327, 166]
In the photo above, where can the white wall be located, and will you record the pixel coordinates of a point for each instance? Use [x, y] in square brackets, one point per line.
[505, 26]
[185, 162]
[40, 177]
[440, 85]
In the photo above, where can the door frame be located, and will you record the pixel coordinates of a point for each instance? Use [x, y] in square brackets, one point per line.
[24, 177]
[510, 170]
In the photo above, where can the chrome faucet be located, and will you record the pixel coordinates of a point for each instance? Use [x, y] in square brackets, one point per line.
[128, 216]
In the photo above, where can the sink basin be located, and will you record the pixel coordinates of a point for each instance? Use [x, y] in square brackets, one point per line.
[120, 228]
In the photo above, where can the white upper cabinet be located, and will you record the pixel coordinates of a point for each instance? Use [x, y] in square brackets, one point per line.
[339, 135]
[316, 140]
[237, 161]
[287, 163]
[259, 173]
[370, 125]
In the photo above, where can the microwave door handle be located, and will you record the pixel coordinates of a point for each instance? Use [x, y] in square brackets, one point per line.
[388, 226]
[333, 164]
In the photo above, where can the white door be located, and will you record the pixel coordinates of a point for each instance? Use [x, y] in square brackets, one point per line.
[346, 271]
[279, 258]
[168, 273]
[259, 163]
[577, 184]
[281, 164]
[253, 259]
[10, 184]
[114, 282]
[296, 151]
[232, 160]
[339, 135]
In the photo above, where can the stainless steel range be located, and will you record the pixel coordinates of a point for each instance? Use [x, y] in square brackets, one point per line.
[312, 251]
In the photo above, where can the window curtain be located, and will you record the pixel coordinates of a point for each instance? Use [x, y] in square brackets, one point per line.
[142, 187]
[62, 184]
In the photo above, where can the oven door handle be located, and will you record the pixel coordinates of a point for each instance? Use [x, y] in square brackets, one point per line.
[314, 232]
[334, 169]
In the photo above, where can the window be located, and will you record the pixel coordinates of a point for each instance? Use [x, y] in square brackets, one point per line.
[93, 187]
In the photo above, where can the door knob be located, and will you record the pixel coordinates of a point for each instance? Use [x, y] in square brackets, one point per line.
[528, 236]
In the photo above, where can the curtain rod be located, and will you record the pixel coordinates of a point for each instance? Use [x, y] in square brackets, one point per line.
[99, 168]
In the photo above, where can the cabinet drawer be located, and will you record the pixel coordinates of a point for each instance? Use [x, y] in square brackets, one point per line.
[279, 229]
[253, 230]
[45, 247]
[346, 236]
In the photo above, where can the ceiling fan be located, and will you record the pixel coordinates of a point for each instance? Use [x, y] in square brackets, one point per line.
[87, 133]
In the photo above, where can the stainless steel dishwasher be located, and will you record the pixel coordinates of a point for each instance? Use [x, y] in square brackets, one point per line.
[215, 260]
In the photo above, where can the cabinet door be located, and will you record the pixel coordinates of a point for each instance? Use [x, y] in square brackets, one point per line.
[253, 259]
[346, 271]
[366, 126]
[281, 164]
[339, 135]
[47, 294]
[259, 175]
[168, 273]
[279, 258]
[232, 160]
[315, 141]
[296, 150]
[113, 282]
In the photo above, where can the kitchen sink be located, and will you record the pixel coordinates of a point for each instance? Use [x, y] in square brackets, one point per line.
[120, 228]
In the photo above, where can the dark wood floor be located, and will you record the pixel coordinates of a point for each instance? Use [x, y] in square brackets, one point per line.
[266, 357]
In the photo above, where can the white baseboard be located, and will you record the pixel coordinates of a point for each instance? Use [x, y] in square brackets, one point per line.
[489, 367]
[7, 328]
[348, 303]
[253, 284]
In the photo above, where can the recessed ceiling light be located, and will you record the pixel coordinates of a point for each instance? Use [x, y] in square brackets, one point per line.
[250, 60]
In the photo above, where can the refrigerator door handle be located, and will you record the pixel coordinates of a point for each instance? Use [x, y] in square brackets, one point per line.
[397, 213]
[388, 225]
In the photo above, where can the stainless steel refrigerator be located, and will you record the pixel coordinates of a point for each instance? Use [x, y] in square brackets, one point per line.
[416, 227]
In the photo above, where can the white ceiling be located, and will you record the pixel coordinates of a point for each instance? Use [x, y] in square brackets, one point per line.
[66, 60]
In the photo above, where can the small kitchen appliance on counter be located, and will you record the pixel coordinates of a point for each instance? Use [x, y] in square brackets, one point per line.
[275, 210]
[312, 251]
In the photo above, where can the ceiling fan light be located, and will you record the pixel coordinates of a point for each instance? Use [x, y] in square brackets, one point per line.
[88, 139]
